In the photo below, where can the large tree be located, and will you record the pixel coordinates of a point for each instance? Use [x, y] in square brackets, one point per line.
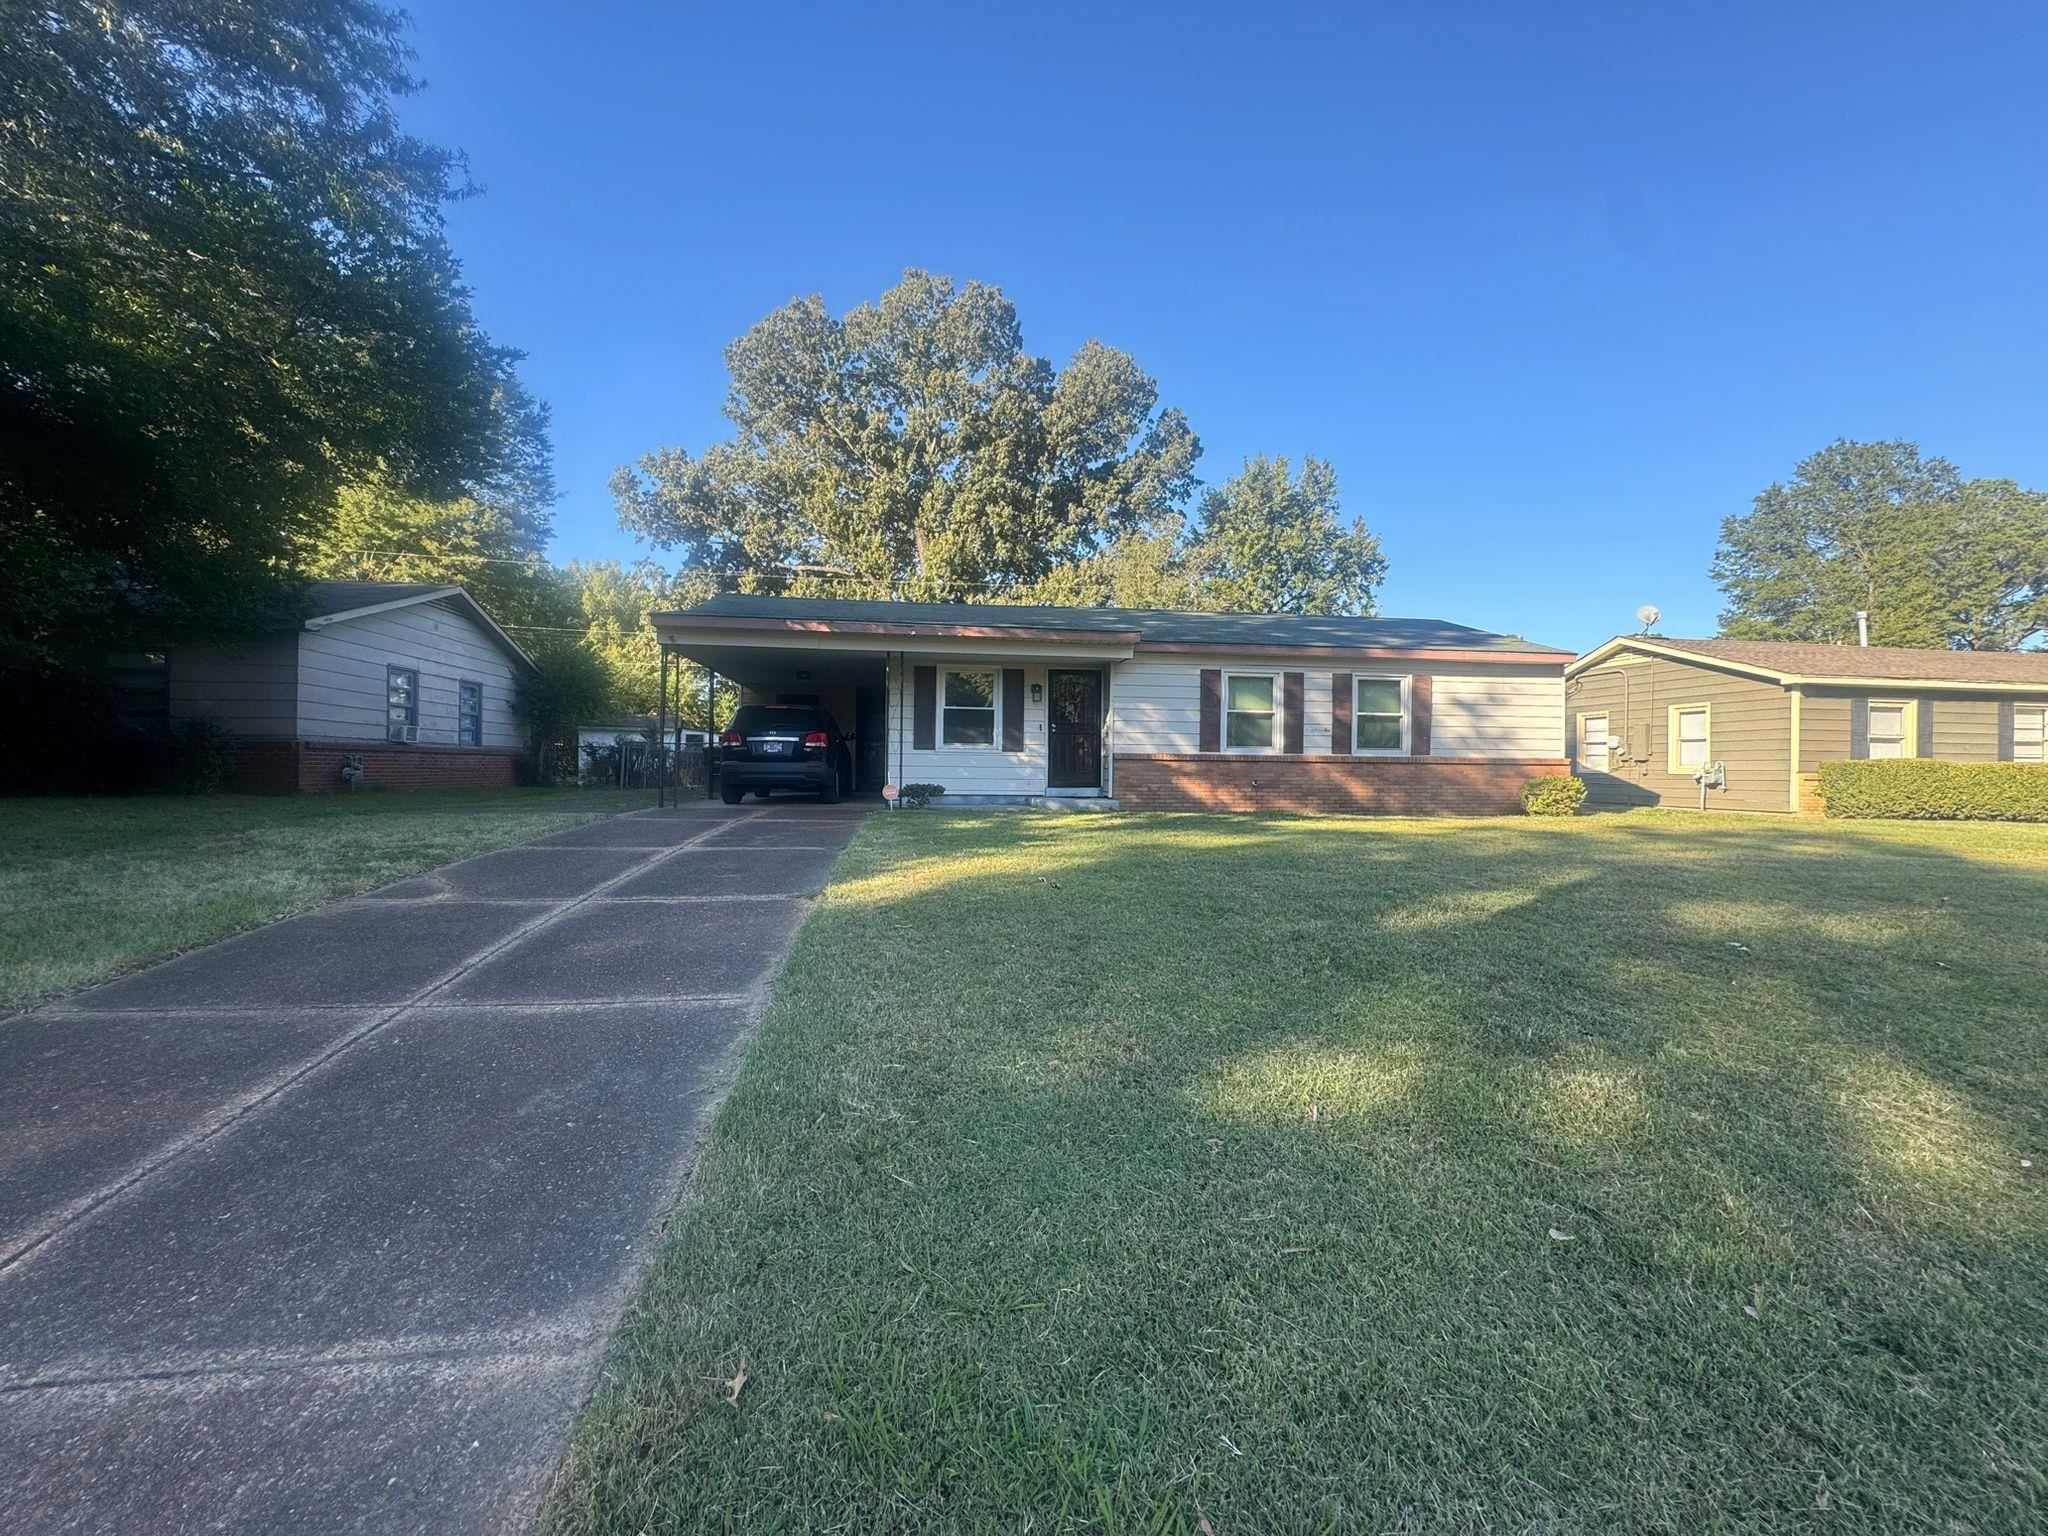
[912, 448]
[1935, 560]
[224, 294]
[1274, 542]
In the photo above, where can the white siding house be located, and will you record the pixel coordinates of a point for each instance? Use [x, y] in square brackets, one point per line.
[398, 684]
[1155, 709]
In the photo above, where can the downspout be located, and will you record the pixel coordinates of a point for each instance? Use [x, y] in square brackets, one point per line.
[896, 727]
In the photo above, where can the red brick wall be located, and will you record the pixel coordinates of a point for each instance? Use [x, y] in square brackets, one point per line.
[284, 766]
[1387, 786]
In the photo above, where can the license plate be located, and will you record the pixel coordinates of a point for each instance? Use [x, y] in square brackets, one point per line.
[772, 746]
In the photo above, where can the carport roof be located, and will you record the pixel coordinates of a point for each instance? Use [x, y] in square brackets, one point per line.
[1152, 627]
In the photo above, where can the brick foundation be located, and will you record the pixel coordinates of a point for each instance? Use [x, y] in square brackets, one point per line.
[284, 767]
[1385, 786]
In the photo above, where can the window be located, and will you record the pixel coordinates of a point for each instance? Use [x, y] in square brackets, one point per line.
[1593, 733]
[1249, 713]
[2030, 733]
[967, 709]
[1890, 728]
[469, 714]
[401, 700]
[1689, 745]
[1379, 714]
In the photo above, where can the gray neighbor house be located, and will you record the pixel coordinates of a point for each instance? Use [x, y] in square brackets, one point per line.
[1646, 713]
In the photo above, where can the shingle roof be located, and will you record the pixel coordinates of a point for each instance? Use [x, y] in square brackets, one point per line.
[1156, 625]
[331, 597]
[1798, 658]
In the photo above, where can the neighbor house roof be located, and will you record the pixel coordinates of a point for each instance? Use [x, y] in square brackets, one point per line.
[1156, 628]
[1799, 661]
[334, 602]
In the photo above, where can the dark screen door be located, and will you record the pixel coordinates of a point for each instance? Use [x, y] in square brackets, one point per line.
[1074, 729]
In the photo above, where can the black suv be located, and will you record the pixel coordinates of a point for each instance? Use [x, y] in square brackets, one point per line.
[783, 746]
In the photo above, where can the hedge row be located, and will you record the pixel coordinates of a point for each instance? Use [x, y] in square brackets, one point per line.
[1922, 789]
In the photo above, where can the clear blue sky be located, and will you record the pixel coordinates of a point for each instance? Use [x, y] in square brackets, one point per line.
[1555, 287]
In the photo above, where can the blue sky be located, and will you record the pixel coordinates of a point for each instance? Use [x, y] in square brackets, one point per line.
[1554, 287]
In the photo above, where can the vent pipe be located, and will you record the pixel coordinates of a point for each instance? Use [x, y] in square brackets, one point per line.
[1863, 626]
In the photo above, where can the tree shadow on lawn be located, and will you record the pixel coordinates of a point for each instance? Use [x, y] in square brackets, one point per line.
[1452, 1175]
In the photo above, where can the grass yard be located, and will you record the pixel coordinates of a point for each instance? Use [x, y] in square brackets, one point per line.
[1634, 1173]
[90, 888]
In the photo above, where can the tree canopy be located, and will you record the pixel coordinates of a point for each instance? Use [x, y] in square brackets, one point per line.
[1934, 559]
[913, 448]
[1274, 542]
[225, 293]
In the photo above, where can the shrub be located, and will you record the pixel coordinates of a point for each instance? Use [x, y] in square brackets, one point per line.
[1923, 789]
[202, 755]
[1559, 796]
[919, 795]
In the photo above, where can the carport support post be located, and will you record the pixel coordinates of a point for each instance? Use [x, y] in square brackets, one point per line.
[661, 736]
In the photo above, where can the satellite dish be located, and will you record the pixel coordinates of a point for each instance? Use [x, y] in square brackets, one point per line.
[1648, 615]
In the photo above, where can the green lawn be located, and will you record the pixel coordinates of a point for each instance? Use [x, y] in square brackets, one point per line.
[93, 887]
[1633, 1173]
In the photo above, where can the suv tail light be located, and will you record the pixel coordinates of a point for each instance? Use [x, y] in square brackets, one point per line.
[732, 739]
[816, 739]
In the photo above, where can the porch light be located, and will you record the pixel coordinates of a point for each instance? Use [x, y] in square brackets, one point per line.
[1038, 693]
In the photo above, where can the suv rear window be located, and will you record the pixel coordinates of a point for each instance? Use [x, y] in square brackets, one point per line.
[753, 719]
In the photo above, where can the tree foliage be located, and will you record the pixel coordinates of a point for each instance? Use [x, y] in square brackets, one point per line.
[1274, 542]
[378, 533]
[1934, 559]
[914, 449]
[1157, 566]
[224, 293]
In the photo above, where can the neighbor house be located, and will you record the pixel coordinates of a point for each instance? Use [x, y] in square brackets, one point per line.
[1649, 714]
[1151, 709]
[406, 685]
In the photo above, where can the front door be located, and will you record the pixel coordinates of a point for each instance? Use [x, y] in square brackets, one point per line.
[1074, 730]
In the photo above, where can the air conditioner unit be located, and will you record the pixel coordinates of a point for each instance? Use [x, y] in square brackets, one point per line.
[404, 733]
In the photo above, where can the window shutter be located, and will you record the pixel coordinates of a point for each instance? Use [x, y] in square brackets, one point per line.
[1923, 731]
[1212, 710]
[1341, 700]
[1859, 728]
[2005, 731]
[1290, 696]
[1418, 715]
[1013, 709]
[924, 708]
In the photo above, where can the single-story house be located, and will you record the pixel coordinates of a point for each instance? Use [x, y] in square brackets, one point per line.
[1151, 709]
[411, 683]
[1647, 714]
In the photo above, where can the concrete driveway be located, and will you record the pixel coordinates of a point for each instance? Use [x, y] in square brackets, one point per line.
[323, 1228]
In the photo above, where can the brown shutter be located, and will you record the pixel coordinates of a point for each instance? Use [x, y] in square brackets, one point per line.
[1212, 710]
[1290, 695]
[1341, 700]
[2005, 731]
[1859, 728]
[924, 708]
[1418, 715]
[1923, 730]
[1013, 709]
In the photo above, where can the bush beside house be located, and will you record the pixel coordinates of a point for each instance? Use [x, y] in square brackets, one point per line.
[1922, 789]
[1555, 796]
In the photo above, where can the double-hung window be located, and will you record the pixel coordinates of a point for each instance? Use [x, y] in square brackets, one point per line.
[2030, 733]
[1593, 731]
[1379, 714]
[401, 701]
[1251, 712]
[469, 714]
[1889, 725]
[1690, 746]
[967, 709]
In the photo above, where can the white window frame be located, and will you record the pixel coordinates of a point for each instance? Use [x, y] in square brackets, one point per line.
[1224, 712]
[460, 685]
[411, 717]
[2040, 742]
[1672, 760]
[994, 674]
[1909, 728]
[1606, 719]
[1407, 714]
